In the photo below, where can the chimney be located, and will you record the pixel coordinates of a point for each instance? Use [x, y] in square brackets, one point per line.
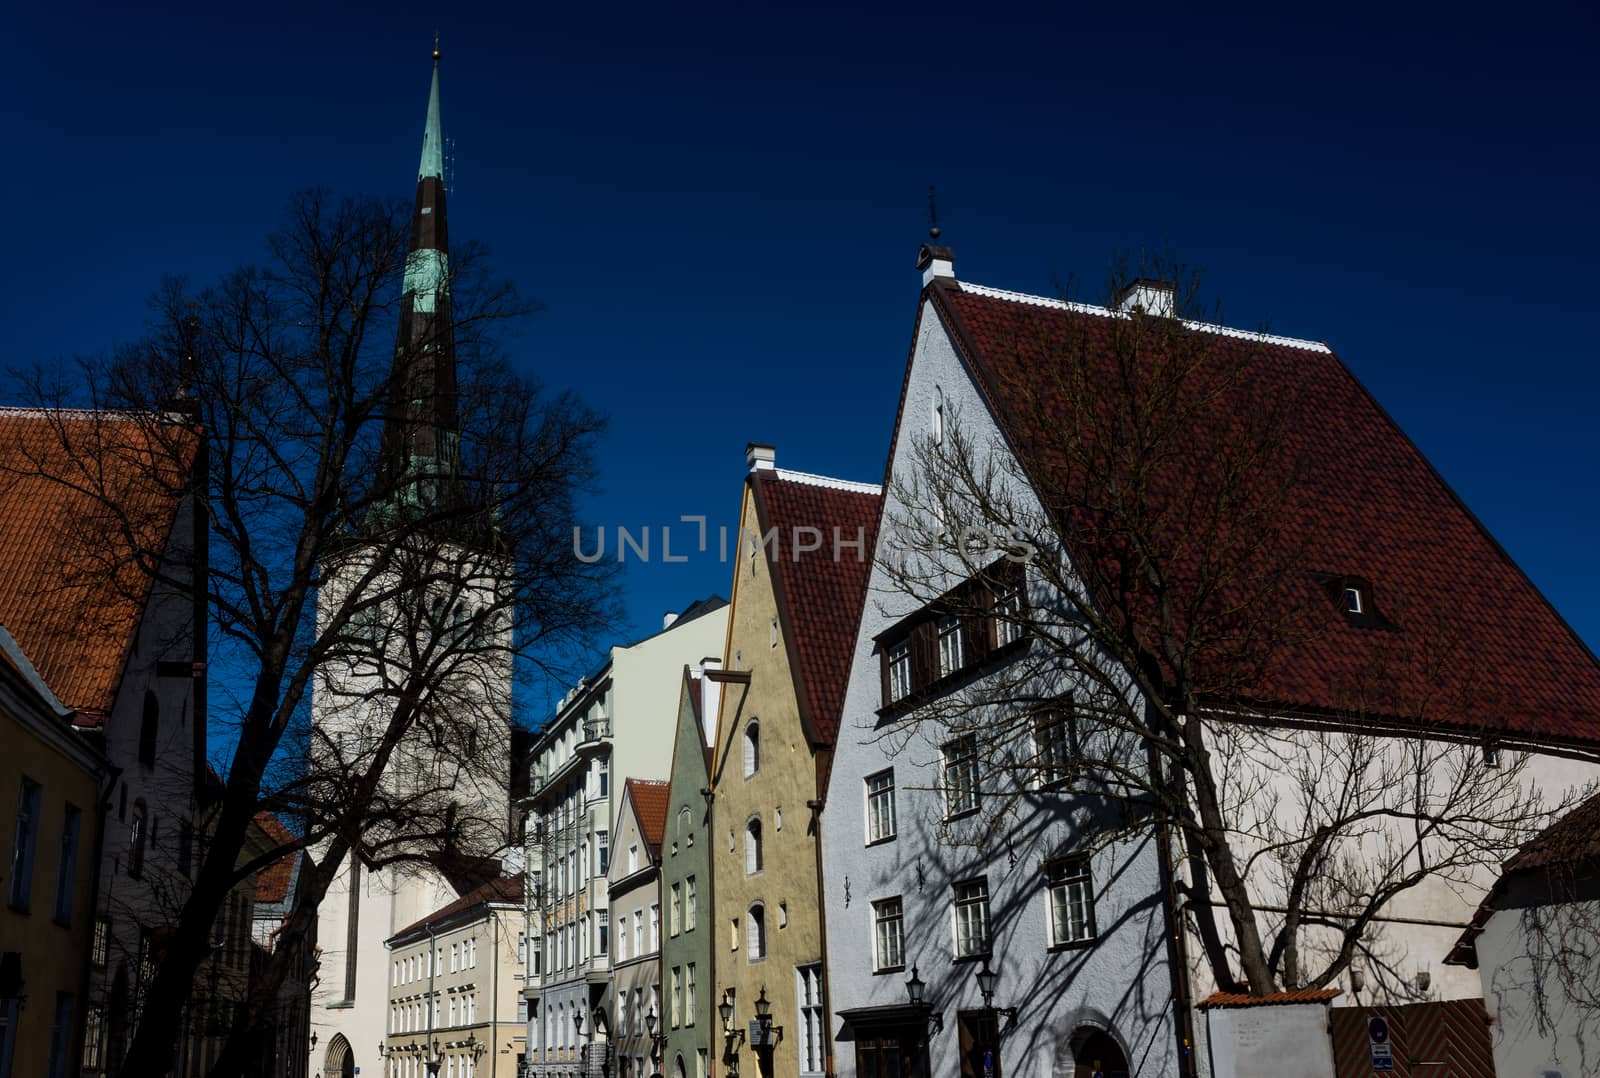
[710, 695]
[668, 618]
[935, 261]
[758, 457]
[1152, 297]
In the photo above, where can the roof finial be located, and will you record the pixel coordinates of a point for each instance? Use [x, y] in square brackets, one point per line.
[933, 214]
[436, 46]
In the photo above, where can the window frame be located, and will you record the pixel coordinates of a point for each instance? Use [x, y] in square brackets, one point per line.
[1069, 873]
[880, 918]
[960, 753]
[977, 900]
[875, 799]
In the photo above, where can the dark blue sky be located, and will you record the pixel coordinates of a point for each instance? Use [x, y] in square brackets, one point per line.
[719, 206]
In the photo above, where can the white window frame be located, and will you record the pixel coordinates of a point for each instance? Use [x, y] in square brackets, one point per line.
[1069, 900]
[888, 933]
[961, 776]
[899, 671]
[970, 917]
[878, 788]
[951, 653]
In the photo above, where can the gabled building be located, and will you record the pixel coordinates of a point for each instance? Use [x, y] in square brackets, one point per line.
[999, 926]
[91, 504]
[798, 589]
[633, 887]
[618, 721]
[687, 955]
[289, 1014]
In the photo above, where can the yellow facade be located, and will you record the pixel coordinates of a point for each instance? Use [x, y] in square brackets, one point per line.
[775, 794]
[49, 785]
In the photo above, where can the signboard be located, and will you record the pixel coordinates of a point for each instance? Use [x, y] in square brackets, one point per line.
[1382, 1052]
[988, 1064]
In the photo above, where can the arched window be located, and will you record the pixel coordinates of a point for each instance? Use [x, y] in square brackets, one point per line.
[752, 748]
[752, 846]
[756, 932]
[149, 728]
[136, 839]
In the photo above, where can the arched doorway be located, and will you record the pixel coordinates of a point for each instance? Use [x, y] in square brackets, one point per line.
[678, 1069]
[1096, 1054]
[340, 1062]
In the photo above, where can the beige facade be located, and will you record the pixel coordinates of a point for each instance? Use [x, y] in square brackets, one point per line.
[455, 983]
[767, 925]
[49, 826]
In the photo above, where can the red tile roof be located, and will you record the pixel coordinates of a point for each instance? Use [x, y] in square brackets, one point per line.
[1367, 505]
[69, 591]
[502, 891]
[820, 592]
[650, 806]
[1240, 999]
[272, 882]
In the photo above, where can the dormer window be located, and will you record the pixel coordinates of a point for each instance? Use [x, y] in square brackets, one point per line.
[1353, 597]
[1353, 603]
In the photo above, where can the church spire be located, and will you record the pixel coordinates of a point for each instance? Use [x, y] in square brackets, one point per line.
[420, 465]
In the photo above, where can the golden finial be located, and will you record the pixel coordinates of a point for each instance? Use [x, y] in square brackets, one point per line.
[436, 46]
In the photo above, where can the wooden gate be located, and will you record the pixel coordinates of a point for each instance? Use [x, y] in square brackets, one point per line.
[1448, 1039]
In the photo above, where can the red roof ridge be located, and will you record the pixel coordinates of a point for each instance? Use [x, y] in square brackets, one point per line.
[506, 890]
[1244, 999]
[649, 797]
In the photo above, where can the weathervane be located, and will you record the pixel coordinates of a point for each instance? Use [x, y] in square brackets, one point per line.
[436, 46]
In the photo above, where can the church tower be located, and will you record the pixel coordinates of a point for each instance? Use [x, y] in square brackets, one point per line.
[439, 621]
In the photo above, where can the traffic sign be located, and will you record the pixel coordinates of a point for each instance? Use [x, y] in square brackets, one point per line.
[1378, 1030]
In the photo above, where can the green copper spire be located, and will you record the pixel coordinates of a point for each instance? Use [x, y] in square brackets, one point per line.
[432, 141]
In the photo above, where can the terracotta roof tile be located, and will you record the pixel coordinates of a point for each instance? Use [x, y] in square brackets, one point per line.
[822, 591]
[1240, 999]
[1370, 506]
[504, 890]
[68, 590]
[272, 882]
[650, 806]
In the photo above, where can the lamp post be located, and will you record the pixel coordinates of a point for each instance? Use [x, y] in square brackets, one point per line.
[764, 1019]
[730, 1056]
[986, 982]
[915, 987]
[658, 1041]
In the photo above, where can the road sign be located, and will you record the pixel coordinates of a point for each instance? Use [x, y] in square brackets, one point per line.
[1382, 1057]
[1378, 1030]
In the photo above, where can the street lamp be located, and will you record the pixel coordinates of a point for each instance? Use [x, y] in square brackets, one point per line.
[915, 987]
[986, 981]
[658, 1042]
[764, 1018]
[434, 1060]
[726, 1010]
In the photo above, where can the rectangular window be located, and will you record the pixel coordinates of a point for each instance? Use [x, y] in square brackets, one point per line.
[688, 904]
[899, 671]
[67, 866]
[94, 1038]
[26, 837]
[603, 927]
[880, 806]
[809, 1005]
[655, 926]
[638, 933]
[1053, 748]
[677, 996]
[1071, 900]
[1008, 617]
[688, 995]
[602, 841]
[522, 948]
[61, 1035]
[888, 935]
[675, 909]
[472, 952]
[972, 918]
[960, 776]
[100, 946]
[950, 656]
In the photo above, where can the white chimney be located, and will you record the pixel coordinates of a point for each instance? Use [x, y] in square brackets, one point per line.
[710, 696]
[1152, 297]
[935, 261]
[668, 618]
[758, 457]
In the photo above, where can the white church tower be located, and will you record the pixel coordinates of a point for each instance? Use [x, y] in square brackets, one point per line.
[439, 626]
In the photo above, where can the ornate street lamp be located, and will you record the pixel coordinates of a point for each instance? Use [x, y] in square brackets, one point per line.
[915, 988]
[986, 981]
[764, 1019]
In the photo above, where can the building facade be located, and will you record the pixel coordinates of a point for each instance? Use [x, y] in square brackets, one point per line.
[619, 721]
[639, 1012]
[455, 989]
[796, 603]
[691, 1031]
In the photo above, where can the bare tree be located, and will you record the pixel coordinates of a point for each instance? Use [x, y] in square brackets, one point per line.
[408, 599]
[1144, 471]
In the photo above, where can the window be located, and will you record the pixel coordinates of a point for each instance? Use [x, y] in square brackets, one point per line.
[1007, 616]
[522, 947]
[756, 932]
[676, 996]
[688, 904]
[752, 846]
[937, 429]
[972, 918]
[453, 953]
[949, 645]
[888, 935]
[472, 953]
[633, 857]
[149, 729]
[675, 910]
[1071, 900]
[809, 997]
[60, 1035]
[22, 849]
[880, 806]
[752, 747]
[94, 1038]
[67, 865]
[638, 933]
[605, 778]
[602, 846]
[603, 927]
[899, 671]
[655, 926]
[100, 947]
[783, 914]
[961, 776]
[136, 835]
[688, 995]
[1352, 600]
[1054, 748]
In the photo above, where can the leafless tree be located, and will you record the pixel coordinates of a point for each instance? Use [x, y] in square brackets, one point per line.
[1147, 479]
[272, 398]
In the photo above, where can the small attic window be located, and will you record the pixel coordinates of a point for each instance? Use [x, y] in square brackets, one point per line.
[1354, 598]
[1353, 602]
